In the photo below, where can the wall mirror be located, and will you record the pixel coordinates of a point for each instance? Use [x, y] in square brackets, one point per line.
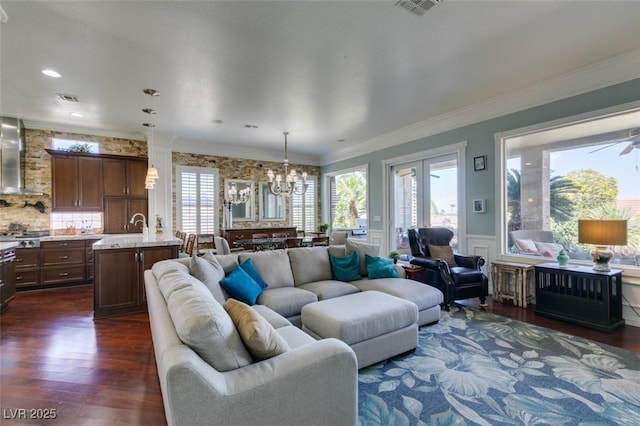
[271, 206]
[241, 194]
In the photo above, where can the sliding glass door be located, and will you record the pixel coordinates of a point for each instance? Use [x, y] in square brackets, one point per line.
[424, 193]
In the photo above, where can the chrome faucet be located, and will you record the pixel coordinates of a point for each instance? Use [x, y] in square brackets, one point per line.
[135, 222]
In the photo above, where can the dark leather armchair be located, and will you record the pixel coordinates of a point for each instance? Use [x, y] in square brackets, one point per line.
[465, 280]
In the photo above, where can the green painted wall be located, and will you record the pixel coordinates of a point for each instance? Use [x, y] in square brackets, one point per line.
[481, 141]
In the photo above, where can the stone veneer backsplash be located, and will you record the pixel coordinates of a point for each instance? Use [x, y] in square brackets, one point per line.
[38, 174]
[238, 168]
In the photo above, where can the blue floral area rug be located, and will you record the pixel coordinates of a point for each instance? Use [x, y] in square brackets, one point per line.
[477, 368]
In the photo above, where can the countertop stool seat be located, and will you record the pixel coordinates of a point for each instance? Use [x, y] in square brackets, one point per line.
[375, 325]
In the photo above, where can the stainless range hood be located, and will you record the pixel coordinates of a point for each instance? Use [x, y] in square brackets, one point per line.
[12, 158]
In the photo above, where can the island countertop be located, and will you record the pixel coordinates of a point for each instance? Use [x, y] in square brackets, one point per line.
[6, 245]
[135, 240]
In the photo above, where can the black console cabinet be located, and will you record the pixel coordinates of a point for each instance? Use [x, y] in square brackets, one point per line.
[580, 295]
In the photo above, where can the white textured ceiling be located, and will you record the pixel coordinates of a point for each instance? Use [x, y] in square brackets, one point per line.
[322, 70]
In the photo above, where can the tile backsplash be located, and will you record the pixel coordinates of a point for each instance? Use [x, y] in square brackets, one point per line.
[60, 222]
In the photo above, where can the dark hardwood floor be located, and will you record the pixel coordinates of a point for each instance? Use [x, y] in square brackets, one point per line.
[54, 356]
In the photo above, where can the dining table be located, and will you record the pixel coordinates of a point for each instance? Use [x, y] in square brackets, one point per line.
[270, 243]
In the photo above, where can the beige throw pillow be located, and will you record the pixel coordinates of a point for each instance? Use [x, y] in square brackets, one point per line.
[443, 252]
[260, 338]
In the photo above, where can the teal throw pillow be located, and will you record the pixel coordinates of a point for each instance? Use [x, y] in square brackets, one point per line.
[241, 286]
[345, 268]
[378, 267]
[250, 269]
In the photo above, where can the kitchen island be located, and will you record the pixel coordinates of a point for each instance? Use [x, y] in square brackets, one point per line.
[7, 273]
[120, 262]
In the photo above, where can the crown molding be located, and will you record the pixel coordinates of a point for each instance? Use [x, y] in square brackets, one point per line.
[56, 127]
[612, 71]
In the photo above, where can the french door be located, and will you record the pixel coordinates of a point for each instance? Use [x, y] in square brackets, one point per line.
[424, 193]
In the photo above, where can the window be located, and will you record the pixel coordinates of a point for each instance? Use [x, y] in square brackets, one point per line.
[348, 199]
[304, 207]
[579, 169]
[196, 199]
[66, 144]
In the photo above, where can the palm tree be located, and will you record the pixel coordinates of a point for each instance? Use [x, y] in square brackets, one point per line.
[351, 200]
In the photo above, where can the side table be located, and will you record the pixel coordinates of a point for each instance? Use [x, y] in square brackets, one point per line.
[503, 273]
[412, 271]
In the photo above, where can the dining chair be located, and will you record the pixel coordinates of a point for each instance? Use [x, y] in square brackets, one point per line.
[283, 236]
[293, 242]
[183, 237]
[320, 241]
[190, 245]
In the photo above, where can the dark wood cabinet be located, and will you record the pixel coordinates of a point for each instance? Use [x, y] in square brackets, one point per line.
[580, 295]
[76, 183]
[7, 277]
[118, 212]
[62, 261]
[124, 178]
[119, 278]
[27, 272]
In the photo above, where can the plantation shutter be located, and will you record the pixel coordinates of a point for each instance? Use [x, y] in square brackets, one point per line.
[303, 207]
[196, 202]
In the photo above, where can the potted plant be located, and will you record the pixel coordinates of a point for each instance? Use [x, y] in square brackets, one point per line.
[395, 255]
[323, 227]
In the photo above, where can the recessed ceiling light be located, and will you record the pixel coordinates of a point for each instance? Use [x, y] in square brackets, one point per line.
[149, 111]
[51, 73]
[217, 121]
[76, 114]
[250, 126]
[341, 140]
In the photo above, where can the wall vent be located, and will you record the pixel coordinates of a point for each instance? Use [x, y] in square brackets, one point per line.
[417, 7]
[65, 97]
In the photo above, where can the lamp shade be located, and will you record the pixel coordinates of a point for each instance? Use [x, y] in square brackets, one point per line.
[603, 232]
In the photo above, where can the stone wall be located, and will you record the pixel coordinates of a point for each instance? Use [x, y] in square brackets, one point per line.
[38, 173]
[238, 168]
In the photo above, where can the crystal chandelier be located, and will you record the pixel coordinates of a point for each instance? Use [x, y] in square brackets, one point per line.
[292, 184]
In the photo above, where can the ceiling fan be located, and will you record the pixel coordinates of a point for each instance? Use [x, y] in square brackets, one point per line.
[633, 139]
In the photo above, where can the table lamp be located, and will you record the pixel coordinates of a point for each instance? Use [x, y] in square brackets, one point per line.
[602, 233]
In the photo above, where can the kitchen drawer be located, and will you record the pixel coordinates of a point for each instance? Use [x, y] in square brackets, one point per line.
[63, 257]
[62, 244]
[27, 278]
[27, 258]
[60, 274]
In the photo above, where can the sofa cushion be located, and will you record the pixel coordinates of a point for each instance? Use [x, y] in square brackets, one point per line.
[240, 285]
[210, 272]
[443, 252]
[337, 250]
[329, 289]
[287, 301]
[248, 267]
[273, 266]
[258, 335]
[362, 249]
[202, 323]
[378, 267]
[345, 268]
[309, 264]
[274, 318]
[228, 261]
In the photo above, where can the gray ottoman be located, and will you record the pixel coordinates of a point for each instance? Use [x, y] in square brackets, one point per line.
[376, 325]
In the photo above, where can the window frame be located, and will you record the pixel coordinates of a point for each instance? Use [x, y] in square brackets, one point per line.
[327, 206]
[216, 195]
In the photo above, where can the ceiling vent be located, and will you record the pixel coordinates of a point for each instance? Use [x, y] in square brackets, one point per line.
[65, 97]
[417, 7]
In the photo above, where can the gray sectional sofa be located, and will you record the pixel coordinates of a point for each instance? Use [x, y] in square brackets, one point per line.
[314, 382]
